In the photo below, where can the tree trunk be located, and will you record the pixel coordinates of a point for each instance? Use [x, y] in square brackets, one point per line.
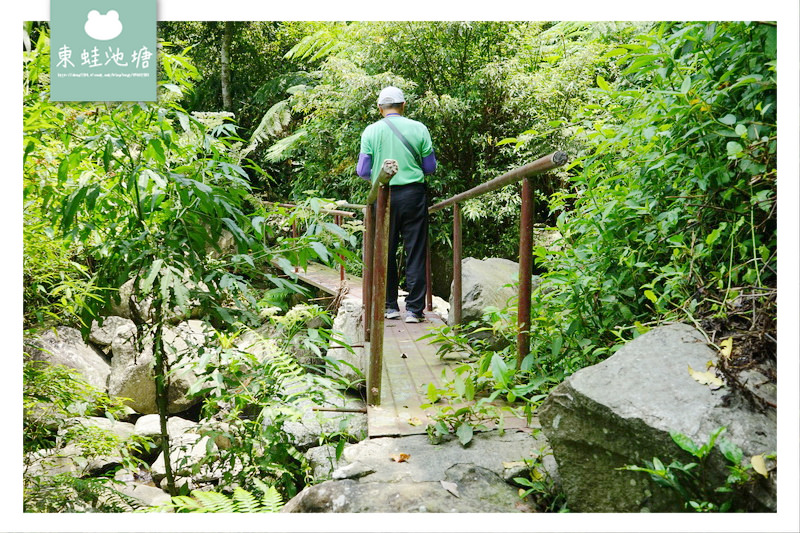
[225, 61]
[160, 372]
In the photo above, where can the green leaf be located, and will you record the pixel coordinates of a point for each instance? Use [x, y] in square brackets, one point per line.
[602, 83]
[730, 451]
[650, 295]
[733, 148]
[499, 370]
[71, 208]
[147, 283]
[459, 385]
[469, 390]
[555, 345]
[432, 393]
[320, 250]
[728, 119]
[685, 443]
[464, 433]
[107, 155]
[686, 85]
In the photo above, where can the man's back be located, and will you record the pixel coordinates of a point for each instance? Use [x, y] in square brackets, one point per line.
[379, 141]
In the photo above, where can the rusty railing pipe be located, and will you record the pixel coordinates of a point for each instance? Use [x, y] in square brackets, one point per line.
[379, 262]
[456, 264]
[543, 164]
[366, 278]
[525, 271]
[379, 242]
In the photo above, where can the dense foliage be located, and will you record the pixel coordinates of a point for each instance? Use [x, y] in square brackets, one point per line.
[666, 211]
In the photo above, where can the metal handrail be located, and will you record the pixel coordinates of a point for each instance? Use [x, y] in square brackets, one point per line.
[376, 254]
[543, 164]
[523, 173]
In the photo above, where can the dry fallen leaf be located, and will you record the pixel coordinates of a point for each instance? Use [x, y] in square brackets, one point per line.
[706, 378]
[513, 464]
[757, 461]
[400, 457]
[414, 421]
[452, 488]
[725, 347]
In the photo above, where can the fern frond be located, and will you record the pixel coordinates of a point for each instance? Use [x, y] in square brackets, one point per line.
[214, 502]
[273, 122]
[272, 501]
[244, 501]
[277, 151]
[317, 45]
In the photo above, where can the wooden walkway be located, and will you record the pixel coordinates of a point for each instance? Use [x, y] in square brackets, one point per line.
[409, 365]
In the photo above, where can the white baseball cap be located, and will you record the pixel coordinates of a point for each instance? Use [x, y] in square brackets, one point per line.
[391, 95]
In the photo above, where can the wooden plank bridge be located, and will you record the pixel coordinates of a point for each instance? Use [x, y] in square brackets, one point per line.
[409, 365]
[401, 365]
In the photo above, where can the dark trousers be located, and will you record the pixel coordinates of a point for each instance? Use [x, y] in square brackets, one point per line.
[408, 217]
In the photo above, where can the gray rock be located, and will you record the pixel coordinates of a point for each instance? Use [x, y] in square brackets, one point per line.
[122, 430]
[312, 426]
[322, 460]
[186, 450]
[620, 412]
[483, 284]
[429, 462]
[66, 347]
[353, 471]
[132, 366]
[72, 459]
[348, 328]
[259, 342]
[148, 496]
[145, 308]
[150, 426]
[479, 491]
[105, 335]
[434, 478]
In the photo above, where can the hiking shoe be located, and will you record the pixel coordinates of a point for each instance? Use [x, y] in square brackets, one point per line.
[392, 313]
[414, 318]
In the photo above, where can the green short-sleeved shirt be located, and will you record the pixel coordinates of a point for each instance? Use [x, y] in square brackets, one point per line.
[380, 142]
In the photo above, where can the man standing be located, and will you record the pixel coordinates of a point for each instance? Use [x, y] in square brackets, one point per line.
[409, 143]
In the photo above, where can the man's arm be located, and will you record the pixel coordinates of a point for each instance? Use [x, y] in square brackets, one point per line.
[364, 166]
[429, 163]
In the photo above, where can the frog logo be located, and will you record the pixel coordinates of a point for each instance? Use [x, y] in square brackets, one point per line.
[103, 27]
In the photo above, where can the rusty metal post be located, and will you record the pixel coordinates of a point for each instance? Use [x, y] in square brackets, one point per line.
[337, 219]
[525, 271]
[366, 283]
[428, 276]
[456, 264]
[380, 259]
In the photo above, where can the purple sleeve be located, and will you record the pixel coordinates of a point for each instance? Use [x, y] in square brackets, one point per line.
[364, 166]
[429, 163]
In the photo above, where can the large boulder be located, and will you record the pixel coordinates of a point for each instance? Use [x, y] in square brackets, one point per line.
[442, 478]
[484, 283]
[65, 346]
[347, 344]
[621, 411]
[132, 366]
